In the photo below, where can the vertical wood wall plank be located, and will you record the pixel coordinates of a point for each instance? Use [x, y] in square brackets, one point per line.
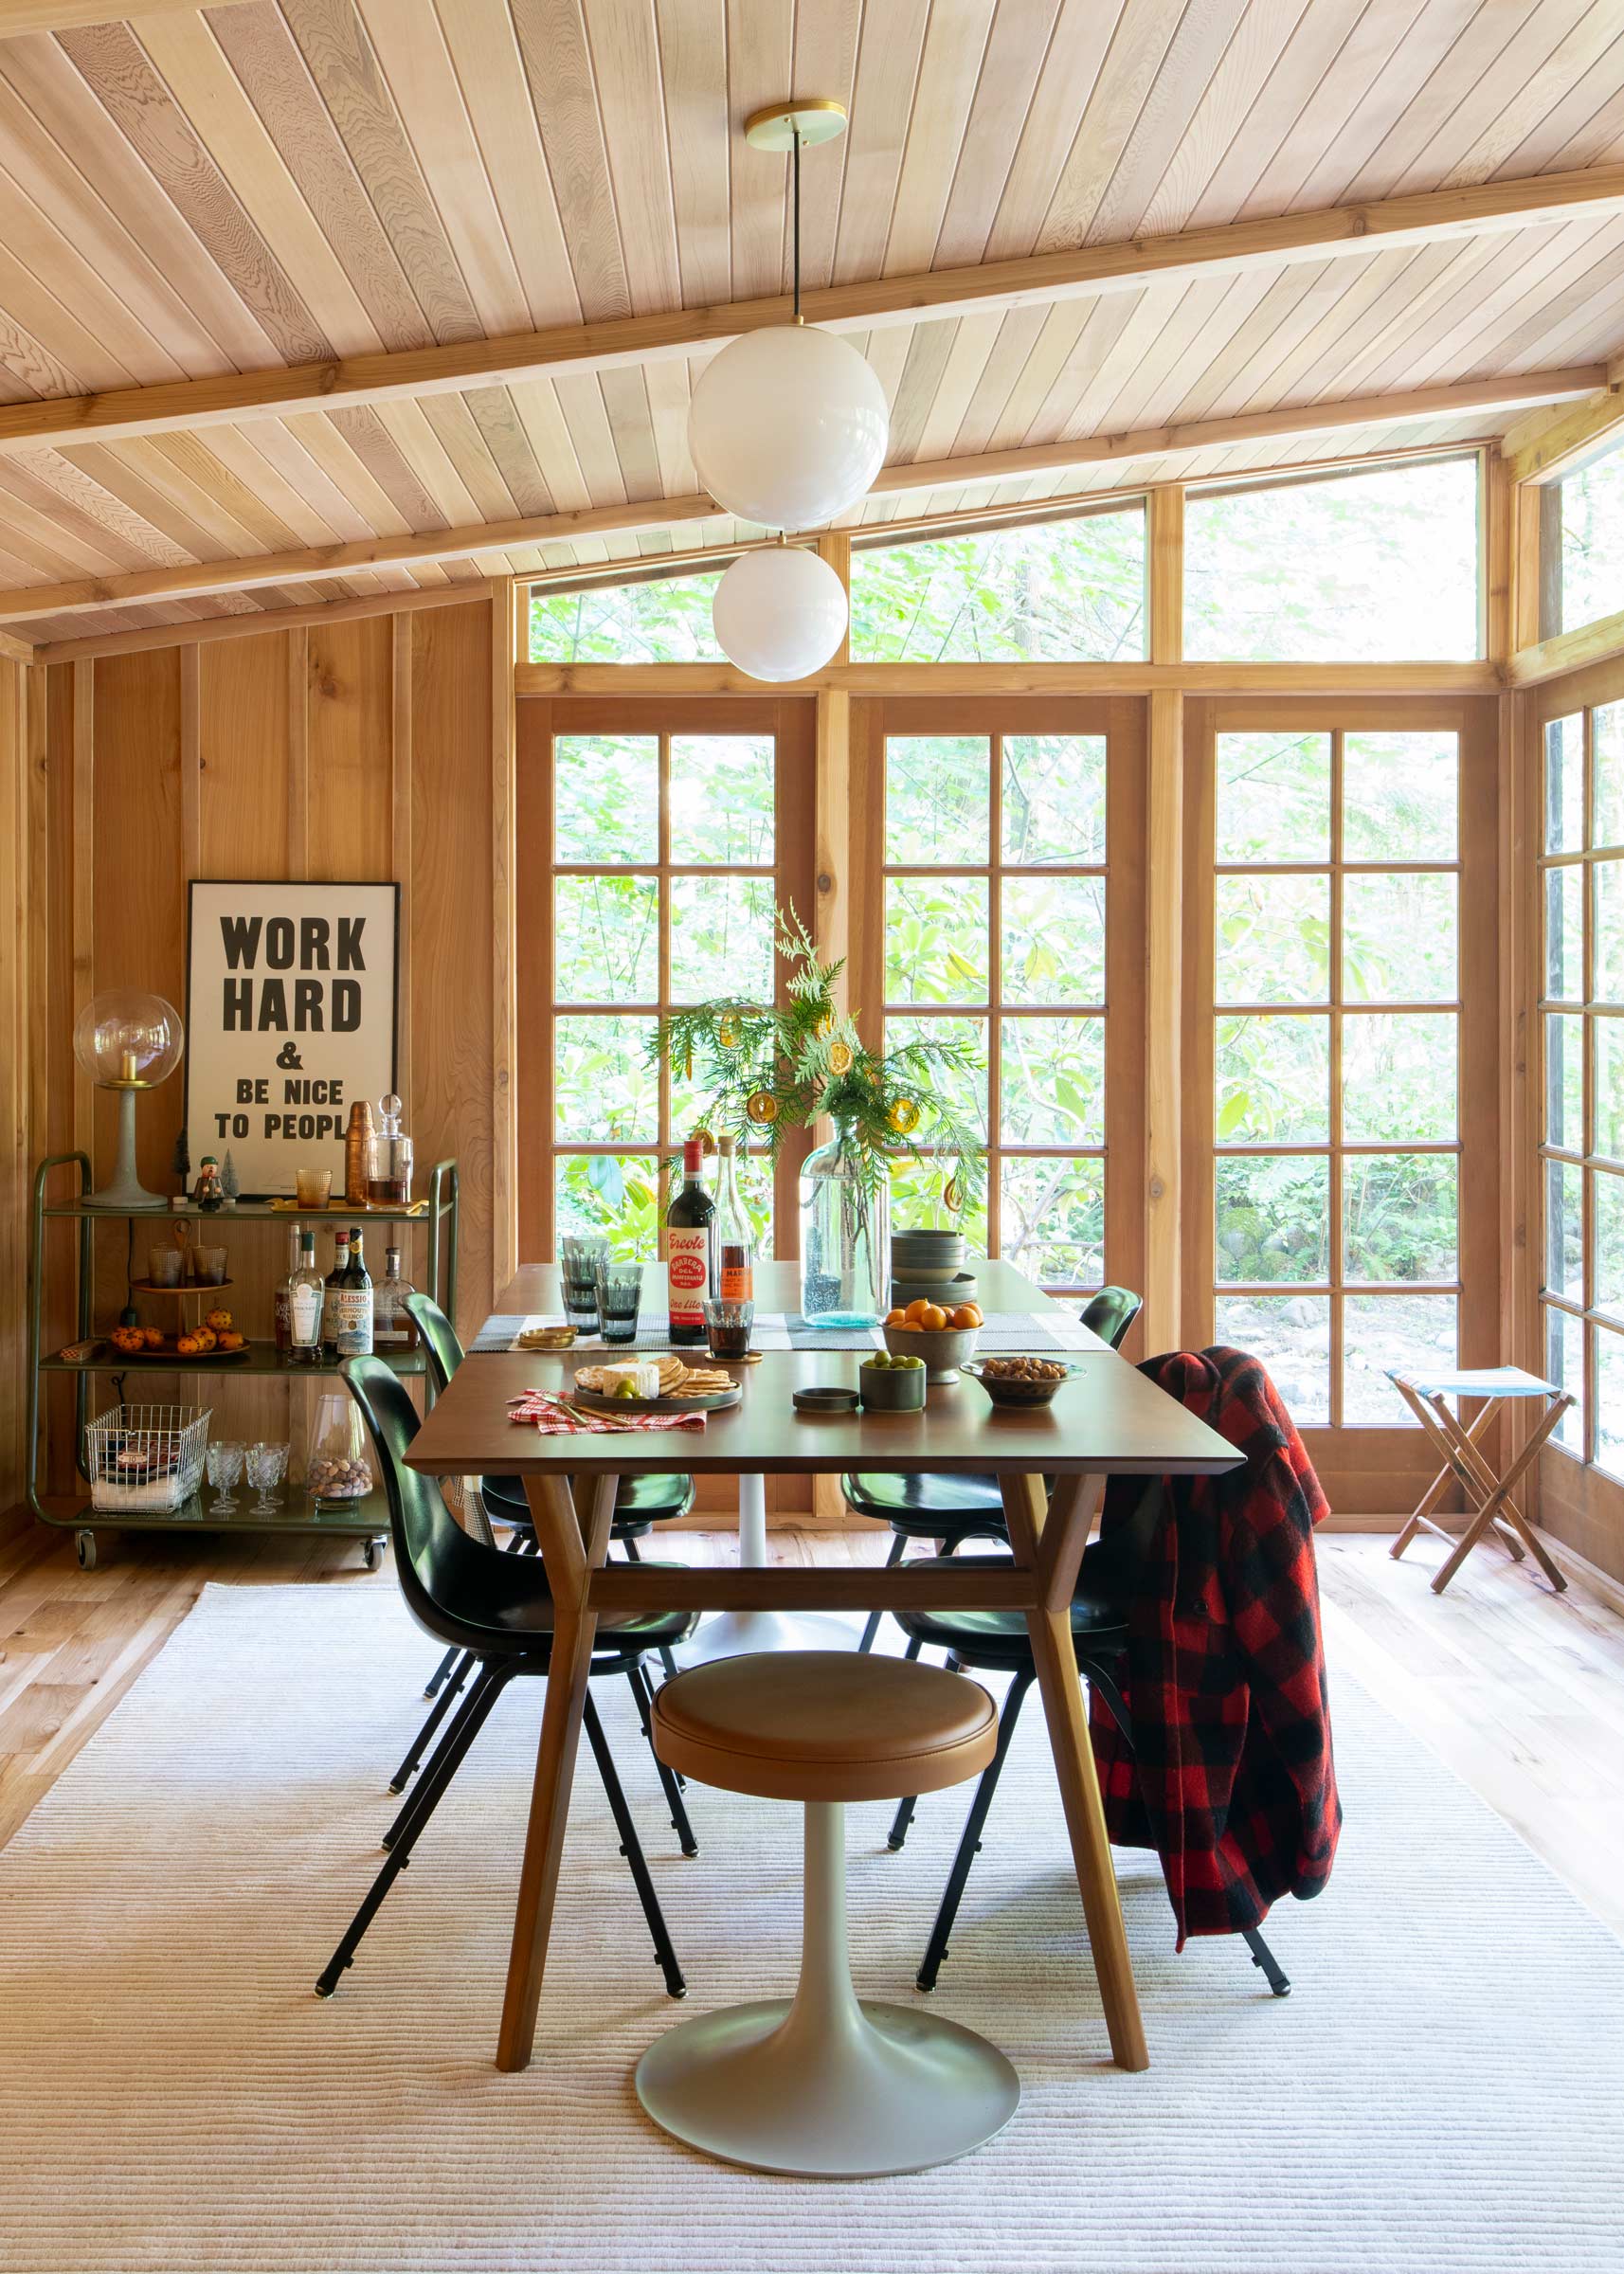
[297, 660]
[504, 1088]
[399, 846]
[351, 789]
[1164, 1023]
[15, 1031]
[191, 762]
[83, 936]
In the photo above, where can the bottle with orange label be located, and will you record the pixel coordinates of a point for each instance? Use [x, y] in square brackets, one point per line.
[735, 1260]
[690, 1247]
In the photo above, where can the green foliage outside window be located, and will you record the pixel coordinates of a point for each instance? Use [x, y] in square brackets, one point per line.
[1592, 580]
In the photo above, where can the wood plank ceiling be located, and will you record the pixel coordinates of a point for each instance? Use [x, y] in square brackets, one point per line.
[279, 182]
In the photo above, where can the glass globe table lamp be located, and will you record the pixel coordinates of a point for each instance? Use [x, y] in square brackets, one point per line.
[127, 1043]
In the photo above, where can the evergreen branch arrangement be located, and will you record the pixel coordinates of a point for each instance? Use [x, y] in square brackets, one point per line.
[764, 1072]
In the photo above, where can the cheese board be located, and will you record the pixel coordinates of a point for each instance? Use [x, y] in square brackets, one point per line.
[682, 1389]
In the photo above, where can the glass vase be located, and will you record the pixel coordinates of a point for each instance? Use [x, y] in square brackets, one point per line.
[845, 1234]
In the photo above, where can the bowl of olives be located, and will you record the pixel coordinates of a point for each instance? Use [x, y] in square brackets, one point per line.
[890, 1384]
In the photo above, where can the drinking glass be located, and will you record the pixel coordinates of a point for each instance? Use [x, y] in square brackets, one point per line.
[210, 1263]
[727, 1326]
[619, 1292]
[312, 1187]
[581, 1258]
[267, 1464]
[224, 1464]
[164, 1266]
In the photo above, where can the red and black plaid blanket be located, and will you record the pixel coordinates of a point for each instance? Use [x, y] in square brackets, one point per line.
[1232, 1779]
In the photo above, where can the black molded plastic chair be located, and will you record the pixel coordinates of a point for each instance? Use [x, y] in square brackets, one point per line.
[499, 1610]
[952, 1510]
[997, 1641]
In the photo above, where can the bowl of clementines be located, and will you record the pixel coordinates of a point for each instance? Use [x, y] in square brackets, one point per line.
[943, 1338]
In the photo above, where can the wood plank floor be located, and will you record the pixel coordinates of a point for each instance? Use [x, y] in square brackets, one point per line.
[1519, 1691]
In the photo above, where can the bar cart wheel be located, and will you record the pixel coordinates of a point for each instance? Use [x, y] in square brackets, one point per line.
[85, 1547]
[372, 1554]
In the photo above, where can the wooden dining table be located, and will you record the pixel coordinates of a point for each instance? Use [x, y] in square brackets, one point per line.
[1108, 1419]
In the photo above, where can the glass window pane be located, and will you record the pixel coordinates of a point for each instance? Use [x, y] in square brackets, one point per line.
[1052, 1081]
[916, 1202]
[968, 1091]
[1565, 1231]
[1065, 592]
[1274, 939]
[1607, 1230]
[721, 798]
[1607, 775]
[1054, 939]
[1292, 1334]
[1399, 939]
[1273, 1217]
[935, 939]
[1400, 797]
[1564, 934]
[1412, 1333]
[721, 937]
[1592, 544]
[1399, 1076]
[1607, 942]
[1564, 784]
[1565, 1366]
[613, 1193]
[1053, 800]
[604, 1087]
[1272, 1080]
[1374, 566]
[938, 791]
[666, 620]
[1051, 1214]
[1565, 1082]
[1273, 797]
[1607, 1037]
[1609, 1401]
[606, 939]
[1398, 1215]
[606, 797]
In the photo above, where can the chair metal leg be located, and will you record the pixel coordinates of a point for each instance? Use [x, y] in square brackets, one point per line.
[432, 1720]
[631, 1848]
[969, 1843]
[899, 1548]
[447, 1762]
[640, 1695]
[450, 1737]
[1280, 1982]
[670, 1783]
[441, 1671]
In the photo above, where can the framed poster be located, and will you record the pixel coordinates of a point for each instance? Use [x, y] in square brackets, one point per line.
[290, 1016]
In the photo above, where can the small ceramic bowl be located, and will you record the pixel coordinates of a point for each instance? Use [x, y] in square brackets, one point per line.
[944, 1351]
[892, 1389]
[825, 1399]
[1005, 1392]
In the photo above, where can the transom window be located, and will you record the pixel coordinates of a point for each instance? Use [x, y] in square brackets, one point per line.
[995, 901]
[1336, 1055]
[1581, 1018]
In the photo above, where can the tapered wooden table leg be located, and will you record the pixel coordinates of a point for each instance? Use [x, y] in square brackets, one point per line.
[569, 1560]
[1050, 1628]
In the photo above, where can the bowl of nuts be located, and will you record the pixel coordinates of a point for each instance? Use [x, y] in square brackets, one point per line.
[1020, 1380]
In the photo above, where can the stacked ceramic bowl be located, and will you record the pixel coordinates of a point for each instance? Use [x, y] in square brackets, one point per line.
[930, 1264]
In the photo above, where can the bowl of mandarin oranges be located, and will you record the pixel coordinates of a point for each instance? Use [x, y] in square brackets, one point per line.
[943, 1336]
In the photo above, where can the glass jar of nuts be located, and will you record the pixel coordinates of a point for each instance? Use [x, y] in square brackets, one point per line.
[338, 1466]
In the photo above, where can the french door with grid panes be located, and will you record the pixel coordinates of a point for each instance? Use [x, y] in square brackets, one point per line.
[1341, 1142]
[998, 875]
[655, 841]
[1581, 1085]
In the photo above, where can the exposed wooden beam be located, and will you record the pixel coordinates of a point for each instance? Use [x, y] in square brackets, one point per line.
[1228, 247]
[314, 562]
[1549, 444]
[209, 628]
[18, 17]
[16, 651]
[1331, 677]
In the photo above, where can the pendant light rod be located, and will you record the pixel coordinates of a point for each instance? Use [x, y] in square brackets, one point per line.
[795, 201]
[791, 126]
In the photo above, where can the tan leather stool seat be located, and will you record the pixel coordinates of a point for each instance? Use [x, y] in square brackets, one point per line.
[824, 1725]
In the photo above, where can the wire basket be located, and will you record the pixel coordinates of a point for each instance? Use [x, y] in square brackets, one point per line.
[146, 1456]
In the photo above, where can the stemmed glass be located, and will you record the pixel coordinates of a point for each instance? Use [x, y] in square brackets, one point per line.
[224, 1464]
[267, 1466]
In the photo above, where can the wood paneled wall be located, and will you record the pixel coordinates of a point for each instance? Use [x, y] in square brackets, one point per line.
[358, 747]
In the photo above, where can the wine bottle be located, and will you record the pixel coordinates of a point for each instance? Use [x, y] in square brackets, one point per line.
[690, 1248]
[393, 1328]
[735, 1260]
[355, 1304]
[329, 1304]
[306, 1301]
[279, 1307]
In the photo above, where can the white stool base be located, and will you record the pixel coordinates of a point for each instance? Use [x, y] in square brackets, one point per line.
[734, 1633]
[908, 2090]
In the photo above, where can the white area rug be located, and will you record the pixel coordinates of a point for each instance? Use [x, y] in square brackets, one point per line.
[1441, 2091]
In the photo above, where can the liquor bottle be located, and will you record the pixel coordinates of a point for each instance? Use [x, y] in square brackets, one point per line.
[330, 1302]
[358, 1152]
[690, 1248]
[735, 1258]
[284, 1292]
[306, 1299]
[355, 1339]
[394, 1329]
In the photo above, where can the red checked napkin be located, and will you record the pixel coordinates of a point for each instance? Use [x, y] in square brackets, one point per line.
[543, 1414]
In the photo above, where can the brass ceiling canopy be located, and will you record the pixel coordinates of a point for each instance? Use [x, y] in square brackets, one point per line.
[810, 120]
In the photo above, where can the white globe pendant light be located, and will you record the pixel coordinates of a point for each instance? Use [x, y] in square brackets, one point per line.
[780, 613]
[789, 425]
